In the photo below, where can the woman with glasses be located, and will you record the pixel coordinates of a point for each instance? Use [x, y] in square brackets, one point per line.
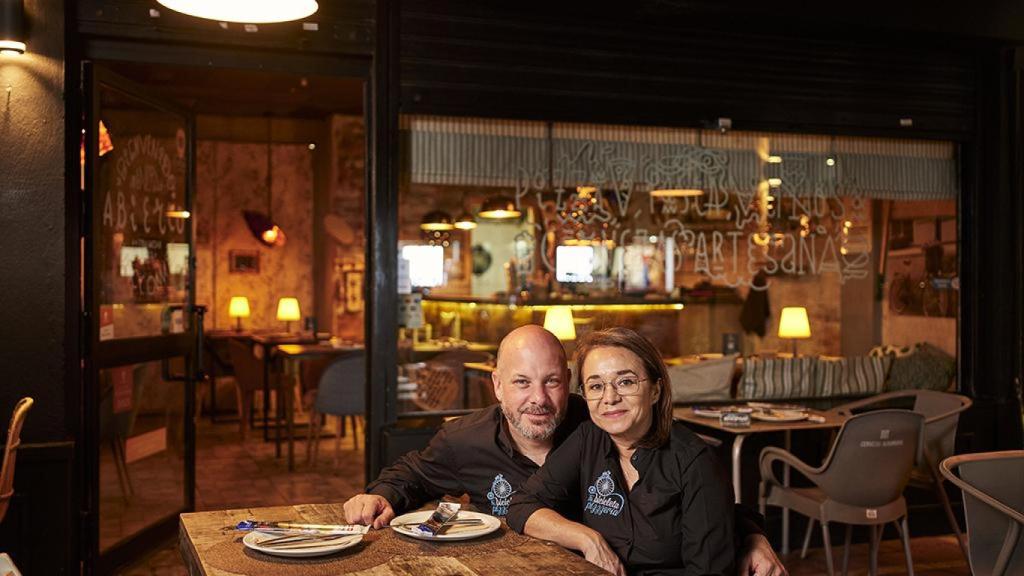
[633, 491]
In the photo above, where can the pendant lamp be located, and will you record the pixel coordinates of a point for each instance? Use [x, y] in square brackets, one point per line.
[437, 220]
[465, 221]
[244, 11]
[262, 224]
[499, 208]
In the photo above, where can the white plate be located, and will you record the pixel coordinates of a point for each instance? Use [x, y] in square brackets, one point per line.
[780, 416]
[451, 534]
[252, 540]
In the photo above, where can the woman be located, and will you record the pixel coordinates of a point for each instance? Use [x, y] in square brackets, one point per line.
[631, 490]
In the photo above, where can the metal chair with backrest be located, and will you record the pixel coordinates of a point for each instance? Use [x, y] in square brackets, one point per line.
[440, 382]
[942, 415]
[860, 483]
[341, 392]
[993, 488]
[10, 453]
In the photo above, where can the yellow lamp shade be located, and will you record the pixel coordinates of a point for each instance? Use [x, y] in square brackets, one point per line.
[239, 307]
[288, 309]
[558, 321]
[793, 323]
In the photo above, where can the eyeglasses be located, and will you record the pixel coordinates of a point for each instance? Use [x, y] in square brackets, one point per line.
[623, 385]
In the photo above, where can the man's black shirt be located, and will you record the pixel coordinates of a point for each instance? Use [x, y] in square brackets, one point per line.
[676, 519]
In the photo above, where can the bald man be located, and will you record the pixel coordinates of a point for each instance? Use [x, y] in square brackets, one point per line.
[488, 454]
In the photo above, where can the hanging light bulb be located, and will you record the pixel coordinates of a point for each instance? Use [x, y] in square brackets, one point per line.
[245, 11]
[262, 224]
[499, 208]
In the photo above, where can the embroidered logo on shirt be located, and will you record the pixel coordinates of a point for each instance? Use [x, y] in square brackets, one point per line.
[603, 499]
[500, 495]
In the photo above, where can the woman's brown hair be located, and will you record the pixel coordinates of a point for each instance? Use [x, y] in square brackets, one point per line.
[657, 373]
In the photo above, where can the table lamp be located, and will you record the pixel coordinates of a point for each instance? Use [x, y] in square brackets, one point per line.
[558, 321]
[288, 311]
[793, 324]
[238, 309]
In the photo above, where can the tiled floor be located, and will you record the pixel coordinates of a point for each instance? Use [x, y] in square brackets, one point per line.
[231, 474]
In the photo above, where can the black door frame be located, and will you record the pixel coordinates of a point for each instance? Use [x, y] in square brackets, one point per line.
[101, 355]
[102, 50]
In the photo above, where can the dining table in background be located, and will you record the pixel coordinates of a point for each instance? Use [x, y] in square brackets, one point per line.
[210, 547]
[265, 343]
[831, 420]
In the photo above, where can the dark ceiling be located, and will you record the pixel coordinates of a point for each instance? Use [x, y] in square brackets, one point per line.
[238, 92]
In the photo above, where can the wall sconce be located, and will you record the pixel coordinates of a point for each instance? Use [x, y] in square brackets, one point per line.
[288, 312]
[12, 27]
[238, 309]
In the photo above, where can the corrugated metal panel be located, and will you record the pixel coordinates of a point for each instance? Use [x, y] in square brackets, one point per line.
[484, 152]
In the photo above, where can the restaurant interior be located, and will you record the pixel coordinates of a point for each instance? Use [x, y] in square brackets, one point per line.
[300, 243]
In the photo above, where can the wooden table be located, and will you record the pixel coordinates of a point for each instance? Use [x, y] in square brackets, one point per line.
[202, 534]
[266, 343]
[296, 353]
[832, 420]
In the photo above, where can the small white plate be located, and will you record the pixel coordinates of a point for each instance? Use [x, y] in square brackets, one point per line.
[450, 534]
[252, 540]
[780, 416]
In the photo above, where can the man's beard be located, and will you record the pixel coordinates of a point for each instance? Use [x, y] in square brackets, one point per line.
[529, 430]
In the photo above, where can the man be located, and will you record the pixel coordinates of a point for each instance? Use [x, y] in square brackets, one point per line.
[490, 453]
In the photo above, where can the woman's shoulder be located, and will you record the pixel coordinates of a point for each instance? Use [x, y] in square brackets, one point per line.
[685, 443]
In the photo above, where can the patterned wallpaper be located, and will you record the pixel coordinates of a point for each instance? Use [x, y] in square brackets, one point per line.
[230, 177]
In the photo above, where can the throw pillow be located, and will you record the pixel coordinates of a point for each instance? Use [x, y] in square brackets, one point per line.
[779, 379]
[705, 381]
[856, 376]
[926, 368]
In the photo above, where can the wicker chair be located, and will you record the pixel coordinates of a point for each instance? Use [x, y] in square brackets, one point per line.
[10, 452]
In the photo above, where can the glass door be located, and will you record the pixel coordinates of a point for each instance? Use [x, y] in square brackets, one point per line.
[143, 330]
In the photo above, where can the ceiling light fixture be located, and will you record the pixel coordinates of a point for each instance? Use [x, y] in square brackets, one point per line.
[676, 193]
[437, 220]
[12, 27]
[245, 11]
[465, 221]
[499, 208]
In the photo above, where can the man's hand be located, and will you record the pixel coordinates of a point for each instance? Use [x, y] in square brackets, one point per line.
[597, 552]
[758, 558]
[369, 510]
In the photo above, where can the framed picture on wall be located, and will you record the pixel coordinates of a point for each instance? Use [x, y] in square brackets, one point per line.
[244, 262]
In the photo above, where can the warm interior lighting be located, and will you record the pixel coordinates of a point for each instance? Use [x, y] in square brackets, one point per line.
[12, 27]
[437, 220]
[775, 182]
[182, 214]
[238, 309]
[245, 11]
[465, 222]
[12, 47]
[264, 229]
[288, 312]
[676, 192]
[775, 159]
[558, 321]
[499, 208]
[793, 324]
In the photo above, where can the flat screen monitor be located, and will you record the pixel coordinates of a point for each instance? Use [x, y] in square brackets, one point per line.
[574, 263]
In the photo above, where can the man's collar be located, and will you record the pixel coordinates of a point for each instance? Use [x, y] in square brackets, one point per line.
[504, 435]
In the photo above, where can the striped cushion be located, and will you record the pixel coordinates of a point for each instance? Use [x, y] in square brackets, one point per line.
[857, 376]
[779, 378]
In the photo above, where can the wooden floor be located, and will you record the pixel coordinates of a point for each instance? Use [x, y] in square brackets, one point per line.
[232, 474]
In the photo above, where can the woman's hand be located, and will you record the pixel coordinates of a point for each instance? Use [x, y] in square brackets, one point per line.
[597, 552]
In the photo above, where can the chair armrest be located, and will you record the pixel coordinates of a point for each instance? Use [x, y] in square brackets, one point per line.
[965, 404]
[946, 468]
[773, 454]
[848, 408]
